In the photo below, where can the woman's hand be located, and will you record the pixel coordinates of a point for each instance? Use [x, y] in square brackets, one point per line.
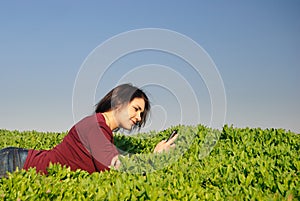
[115, 162]
[164, 145]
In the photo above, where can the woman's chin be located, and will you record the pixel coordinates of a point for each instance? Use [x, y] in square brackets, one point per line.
[129, 127]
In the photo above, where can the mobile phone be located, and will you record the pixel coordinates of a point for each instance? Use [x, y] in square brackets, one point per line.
[172, 135]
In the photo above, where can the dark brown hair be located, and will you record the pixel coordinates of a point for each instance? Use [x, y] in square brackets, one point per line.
[120, 95]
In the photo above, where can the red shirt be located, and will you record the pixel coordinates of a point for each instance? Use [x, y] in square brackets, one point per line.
[88, 146]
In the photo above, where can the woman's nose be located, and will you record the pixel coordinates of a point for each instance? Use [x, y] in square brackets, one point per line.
[138, 116]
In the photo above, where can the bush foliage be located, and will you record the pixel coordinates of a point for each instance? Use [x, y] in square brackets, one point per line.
[207, 164]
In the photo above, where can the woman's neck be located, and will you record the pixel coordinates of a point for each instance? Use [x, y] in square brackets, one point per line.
[110, 120]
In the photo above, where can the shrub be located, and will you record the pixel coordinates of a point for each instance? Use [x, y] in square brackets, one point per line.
[207, 164]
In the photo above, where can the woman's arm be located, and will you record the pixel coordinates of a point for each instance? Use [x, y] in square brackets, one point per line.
[162, 146]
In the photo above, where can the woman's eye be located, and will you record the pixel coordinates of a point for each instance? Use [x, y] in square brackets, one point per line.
[136, 109]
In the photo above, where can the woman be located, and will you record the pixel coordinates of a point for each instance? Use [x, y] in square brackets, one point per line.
[89, 143]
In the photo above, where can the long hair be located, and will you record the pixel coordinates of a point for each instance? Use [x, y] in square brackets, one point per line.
[120, 95]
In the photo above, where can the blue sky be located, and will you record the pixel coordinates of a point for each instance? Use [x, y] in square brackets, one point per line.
[255, 46]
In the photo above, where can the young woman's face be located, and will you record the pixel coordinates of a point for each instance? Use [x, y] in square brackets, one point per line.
[130, 114]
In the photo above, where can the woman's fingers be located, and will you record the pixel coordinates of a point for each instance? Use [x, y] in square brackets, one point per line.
[172, 140]
[165, 145]
[115, 162]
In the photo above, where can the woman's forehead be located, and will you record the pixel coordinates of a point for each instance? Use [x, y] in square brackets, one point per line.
[138, 102]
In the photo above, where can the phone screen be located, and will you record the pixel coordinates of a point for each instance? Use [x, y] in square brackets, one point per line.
[172, 135]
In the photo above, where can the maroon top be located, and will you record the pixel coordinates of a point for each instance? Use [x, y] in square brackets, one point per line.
[88, 146]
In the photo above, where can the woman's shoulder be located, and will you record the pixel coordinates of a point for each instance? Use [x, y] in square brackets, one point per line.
[93, 118]
[90, 125]
[100, 117]
[102, 122]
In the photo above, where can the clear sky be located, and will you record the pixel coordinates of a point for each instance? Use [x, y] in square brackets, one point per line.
[255, 46]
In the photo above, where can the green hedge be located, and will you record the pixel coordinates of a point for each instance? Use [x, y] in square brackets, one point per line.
[244, 164]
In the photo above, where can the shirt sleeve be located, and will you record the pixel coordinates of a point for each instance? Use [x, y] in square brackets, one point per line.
[101, 147]
[97, 139]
